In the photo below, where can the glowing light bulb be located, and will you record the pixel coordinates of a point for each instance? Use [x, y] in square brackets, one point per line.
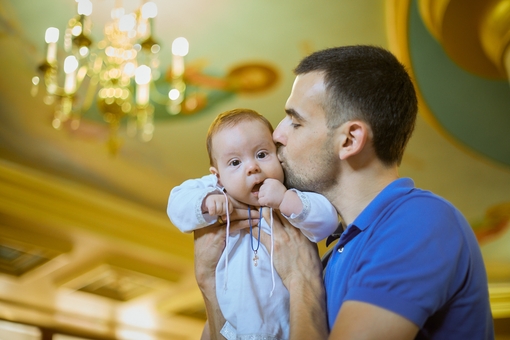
[149, 10]
[143, 74]
[51, 37]
[142, 79]
[84, 51]
[129, 69]
[127, 22]
[84, 7]
[70, 66]
[174, 94]
[180, 47]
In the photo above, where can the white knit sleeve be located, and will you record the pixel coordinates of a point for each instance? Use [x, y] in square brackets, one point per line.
[318, 219]
[185, 203]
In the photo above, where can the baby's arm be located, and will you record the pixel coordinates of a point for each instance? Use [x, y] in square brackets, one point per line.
[310, 212]
[319, 218]
[185, 203]
[275, 195]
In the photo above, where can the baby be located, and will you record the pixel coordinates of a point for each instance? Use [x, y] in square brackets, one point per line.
[245, 165]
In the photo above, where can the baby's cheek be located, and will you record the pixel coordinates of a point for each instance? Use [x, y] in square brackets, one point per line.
[281, 175]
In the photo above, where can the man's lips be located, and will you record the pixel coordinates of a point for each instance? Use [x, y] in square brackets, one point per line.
[280, 156]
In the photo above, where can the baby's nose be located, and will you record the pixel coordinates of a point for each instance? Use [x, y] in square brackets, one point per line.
[253, 168]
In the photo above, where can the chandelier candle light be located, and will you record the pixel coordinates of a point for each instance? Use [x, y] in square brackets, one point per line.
[119, 72]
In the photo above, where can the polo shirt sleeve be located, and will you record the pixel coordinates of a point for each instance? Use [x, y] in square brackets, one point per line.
[413, 260]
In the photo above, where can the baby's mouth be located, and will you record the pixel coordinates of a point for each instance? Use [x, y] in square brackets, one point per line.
[256, 188]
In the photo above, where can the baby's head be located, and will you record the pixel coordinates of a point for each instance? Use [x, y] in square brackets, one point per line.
[242, 153]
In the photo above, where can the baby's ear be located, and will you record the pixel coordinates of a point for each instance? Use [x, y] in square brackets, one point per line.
[215, 172]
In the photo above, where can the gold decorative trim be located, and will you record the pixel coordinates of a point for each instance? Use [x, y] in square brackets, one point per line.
[432, 13]
[494, 32]
[24, 252]
[500, 300]
[189, 304]
[475, 34]
[41, 199]
[120, 277]
[397, 26]
[115, 283]
[17, 258]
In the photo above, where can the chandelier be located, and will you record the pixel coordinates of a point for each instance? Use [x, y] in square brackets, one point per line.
[119, 72]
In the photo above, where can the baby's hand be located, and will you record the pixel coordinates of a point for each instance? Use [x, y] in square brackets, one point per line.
[271, 193]
[215, 205]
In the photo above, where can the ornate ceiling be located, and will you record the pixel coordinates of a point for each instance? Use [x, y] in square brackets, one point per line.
[85, 244]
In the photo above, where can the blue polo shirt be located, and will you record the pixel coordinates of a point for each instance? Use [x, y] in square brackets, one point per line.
[413, 253]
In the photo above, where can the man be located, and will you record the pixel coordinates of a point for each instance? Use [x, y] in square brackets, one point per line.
[407, 265]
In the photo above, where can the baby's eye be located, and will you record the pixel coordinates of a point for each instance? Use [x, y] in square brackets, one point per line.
[262, 154]
[235, 162]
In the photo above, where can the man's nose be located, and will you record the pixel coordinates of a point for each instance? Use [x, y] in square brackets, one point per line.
[279, 136]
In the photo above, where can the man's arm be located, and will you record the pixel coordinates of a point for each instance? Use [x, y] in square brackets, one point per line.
[209, 245]
[297, 262]
[360, 320]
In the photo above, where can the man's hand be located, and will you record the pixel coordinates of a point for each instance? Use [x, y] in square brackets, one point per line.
[209, 245]
[295, 257]
[297, 262]
[210, 241]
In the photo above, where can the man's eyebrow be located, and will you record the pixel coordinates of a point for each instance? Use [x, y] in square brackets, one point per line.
[294, 113]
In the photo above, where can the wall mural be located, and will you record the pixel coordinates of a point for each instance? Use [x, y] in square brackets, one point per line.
[466, 103]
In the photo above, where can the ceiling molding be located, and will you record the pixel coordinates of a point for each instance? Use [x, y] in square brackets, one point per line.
[500, 300]
[121, 277]
[42, 199]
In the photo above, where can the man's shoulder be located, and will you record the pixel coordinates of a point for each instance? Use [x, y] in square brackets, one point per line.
[419, 201]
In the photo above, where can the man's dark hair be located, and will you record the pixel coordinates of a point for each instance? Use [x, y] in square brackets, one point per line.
[370, 84]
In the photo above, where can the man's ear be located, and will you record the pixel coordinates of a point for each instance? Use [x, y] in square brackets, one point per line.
[354, 136]
[215, 172]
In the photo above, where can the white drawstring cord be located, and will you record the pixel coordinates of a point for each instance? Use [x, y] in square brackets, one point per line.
[226, 240]
[226, 245]
[272, 246]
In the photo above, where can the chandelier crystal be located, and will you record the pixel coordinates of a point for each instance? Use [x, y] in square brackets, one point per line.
[119, 72]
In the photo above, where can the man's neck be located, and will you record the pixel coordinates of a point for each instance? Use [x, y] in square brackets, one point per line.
[356, 189]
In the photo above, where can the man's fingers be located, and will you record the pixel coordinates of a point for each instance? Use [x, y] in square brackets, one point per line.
[264, 238]
[277, 228]
[238, 225]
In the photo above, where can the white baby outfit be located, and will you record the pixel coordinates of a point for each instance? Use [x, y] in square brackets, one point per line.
[253, 308]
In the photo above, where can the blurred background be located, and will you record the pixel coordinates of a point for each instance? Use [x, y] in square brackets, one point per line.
[89, 154]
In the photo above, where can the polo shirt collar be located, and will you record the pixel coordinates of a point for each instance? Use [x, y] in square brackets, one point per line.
[393, 191]
[389, 194]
